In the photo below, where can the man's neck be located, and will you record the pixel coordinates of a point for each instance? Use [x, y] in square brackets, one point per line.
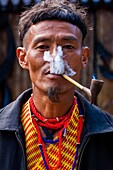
[50, 109]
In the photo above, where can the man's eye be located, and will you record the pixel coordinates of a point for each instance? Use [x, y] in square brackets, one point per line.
[68, 47]
[43, 47]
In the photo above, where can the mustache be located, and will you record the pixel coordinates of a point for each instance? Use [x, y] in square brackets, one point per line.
[67, 70]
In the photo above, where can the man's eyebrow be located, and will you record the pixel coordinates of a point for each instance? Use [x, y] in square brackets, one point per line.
[69, 38]
[40, 39]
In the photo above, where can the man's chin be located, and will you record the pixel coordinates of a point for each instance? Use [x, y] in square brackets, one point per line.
[53, 94]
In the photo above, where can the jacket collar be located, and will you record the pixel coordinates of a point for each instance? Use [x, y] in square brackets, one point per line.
[10, 115]
[96, 121]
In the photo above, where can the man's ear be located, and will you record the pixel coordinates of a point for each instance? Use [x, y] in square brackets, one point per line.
[85, 56]
[21, 55]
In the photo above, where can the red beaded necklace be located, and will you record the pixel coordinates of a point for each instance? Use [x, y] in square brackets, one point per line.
[57, 123]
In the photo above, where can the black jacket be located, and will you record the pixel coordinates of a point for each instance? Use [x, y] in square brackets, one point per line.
[96, 151]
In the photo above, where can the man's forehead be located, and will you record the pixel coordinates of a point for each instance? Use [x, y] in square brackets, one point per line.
[44, 29]
[54, 24]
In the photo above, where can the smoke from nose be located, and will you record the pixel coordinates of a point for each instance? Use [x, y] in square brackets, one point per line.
[57, 64]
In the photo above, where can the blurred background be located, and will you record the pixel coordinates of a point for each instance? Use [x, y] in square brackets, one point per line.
[14, 80]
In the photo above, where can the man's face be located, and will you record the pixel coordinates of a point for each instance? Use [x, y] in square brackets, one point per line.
[46, 36]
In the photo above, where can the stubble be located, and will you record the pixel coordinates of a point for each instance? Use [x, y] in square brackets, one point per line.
[53, 94]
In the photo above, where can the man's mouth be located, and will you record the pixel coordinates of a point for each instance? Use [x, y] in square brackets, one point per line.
[52, 74]
[48, 72]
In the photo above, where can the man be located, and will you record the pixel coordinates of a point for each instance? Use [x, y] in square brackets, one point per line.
[52, 126]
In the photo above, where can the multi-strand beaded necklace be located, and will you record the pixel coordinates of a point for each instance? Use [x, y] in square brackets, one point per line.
[62, 152]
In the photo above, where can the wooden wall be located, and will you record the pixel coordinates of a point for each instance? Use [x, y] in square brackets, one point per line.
[18, 79]
[101, 21]
[105, 35]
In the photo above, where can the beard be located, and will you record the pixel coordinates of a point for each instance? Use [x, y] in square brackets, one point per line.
[53, 94]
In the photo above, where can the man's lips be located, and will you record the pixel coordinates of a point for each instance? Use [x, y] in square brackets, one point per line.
[53, 76]
[48, 72]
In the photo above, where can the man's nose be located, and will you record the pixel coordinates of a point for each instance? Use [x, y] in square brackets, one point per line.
[53, 51]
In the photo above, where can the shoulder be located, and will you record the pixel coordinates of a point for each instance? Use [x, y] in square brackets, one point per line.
[96, 119]
[10, 114]
[21, 99]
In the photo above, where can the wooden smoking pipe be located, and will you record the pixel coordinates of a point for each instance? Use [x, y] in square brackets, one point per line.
[94, 90]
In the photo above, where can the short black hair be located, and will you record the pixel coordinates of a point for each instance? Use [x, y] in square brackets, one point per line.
[62, 10]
